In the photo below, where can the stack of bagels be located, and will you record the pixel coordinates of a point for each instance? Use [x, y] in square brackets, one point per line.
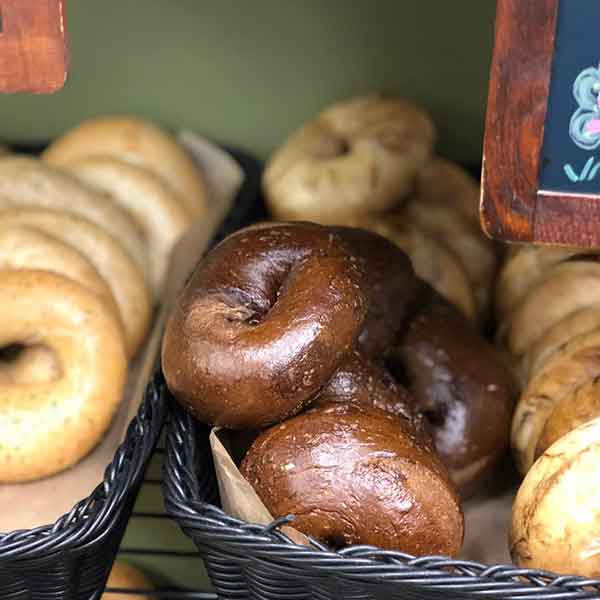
[369, 162]
[373, 401]
[86, 232]
[550, 324]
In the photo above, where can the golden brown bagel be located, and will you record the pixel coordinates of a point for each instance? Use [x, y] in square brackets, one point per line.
[150, 202]
[139, 142]
[555, 524]
[48, 427]
[356, 157]
[110, 260]
[127, 577]
[28, 182]
[24, 247]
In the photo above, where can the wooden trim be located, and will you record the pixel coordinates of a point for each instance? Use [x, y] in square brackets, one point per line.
[33, 47]
[514, 128]
[567, 219]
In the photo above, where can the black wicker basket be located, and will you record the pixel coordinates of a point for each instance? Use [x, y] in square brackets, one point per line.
[71, 558]
[253, 561]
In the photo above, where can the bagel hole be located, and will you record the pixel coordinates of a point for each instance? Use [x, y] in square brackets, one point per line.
[435, 417]
[24, 364]
[343, 148]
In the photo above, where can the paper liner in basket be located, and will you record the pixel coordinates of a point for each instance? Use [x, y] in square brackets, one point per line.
[487, 517]
[29, 505]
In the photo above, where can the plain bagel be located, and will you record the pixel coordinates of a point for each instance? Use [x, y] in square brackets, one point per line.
[137, 141]
[120, 272]
[47, 427]
[149, 201]
[28, 182]
[356, 157]
[24, 247]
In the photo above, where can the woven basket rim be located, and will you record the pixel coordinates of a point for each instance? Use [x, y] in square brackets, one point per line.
[214, 530]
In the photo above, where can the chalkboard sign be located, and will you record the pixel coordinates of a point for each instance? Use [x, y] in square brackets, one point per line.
[541, 175]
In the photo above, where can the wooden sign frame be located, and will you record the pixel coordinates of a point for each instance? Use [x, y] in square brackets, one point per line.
[33, 46]
[513, 207]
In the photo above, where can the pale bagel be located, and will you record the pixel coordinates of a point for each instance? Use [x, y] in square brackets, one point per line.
[475, 254]
[48, 427]
[124, 278]
[24, 247]
[555, 524]
[566, 289]
[31, 365]
[430, 259]
[139, 142]
[574, 367]
[356, 157]
[523, 268]
[31, 182]
[444, 182]
[577, 323]
[126, 577]
[150, 202]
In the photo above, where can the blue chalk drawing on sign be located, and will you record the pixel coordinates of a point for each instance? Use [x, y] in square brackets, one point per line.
[584, 128]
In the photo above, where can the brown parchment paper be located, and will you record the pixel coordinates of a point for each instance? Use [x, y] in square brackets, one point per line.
[487, 517]
[29, 505]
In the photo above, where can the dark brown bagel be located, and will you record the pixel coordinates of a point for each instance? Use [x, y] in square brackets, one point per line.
[461, 386]
[362, 381]
[390, 283]
[263, 323]
[355, 475]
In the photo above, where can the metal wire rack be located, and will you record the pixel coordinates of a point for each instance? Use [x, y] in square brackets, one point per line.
[139, 553]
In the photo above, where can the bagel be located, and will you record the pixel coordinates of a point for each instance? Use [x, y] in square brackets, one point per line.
[47, 427]
[262, 325]
[575, 324]
[562, 394]
[110, 260]
[28, 182]
[28, 365]
[390, 284]
[356, 157]
[473, 251]
[24, 247]
[124, 576]
[566, 289]
[460, 386]
[446, 183]
[139, 142]
[524, 267]
[432, 262]
[555, 525]
[352, 475]
[149, 201]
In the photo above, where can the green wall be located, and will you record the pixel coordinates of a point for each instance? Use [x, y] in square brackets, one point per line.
[247, 73]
